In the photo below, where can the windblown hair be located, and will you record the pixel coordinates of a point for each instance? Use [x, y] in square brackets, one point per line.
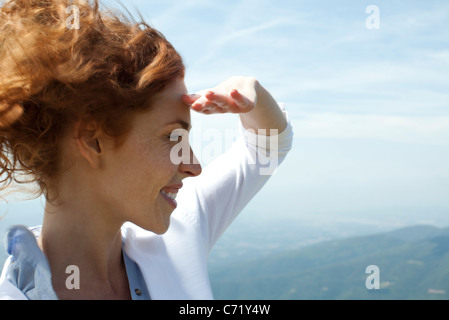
[55, 73]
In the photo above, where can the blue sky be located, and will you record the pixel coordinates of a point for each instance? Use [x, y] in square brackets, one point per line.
[338, 78]
[369, 107]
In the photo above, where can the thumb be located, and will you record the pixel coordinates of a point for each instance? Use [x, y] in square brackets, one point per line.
[190, 98]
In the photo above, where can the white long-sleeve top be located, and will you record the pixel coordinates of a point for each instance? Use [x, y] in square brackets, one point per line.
[174, 265]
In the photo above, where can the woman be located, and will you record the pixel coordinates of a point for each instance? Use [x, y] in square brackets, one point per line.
[92, 115]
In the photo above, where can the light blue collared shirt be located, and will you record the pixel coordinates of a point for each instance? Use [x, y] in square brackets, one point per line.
[30, 272]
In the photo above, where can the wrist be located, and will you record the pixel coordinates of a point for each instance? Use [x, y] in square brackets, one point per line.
[266, 114]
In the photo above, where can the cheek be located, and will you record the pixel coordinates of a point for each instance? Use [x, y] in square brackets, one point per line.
[156, 166]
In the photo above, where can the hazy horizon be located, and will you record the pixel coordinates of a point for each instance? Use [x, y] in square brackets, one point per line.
[369, 107]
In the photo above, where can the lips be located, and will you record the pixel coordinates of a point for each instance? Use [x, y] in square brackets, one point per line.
[169, 193]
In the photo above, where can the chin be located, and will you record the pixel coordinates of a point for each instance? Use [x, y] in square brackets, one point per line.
[158, 222]
[158, 229]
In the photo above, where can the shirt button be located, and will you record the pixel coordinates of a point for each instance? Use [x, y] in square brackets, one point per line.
[138, 292]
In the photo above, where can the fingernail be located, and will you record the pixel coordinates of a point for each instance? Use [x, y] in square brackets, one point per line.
[195, 96]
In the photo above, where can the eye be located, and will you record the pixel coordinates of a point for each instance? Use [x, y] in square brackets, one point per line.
[177, 135]
[174, 138]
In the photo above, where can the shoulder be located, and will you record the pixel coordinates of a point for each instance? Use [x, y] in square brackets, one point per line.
[7, 290]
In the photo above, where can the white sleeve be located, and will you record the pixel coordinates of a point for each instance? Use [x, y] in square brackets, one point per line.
[227, 184]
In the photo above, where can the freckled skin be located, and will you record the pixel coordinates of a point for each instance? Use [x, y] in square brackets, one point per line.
[141, 167]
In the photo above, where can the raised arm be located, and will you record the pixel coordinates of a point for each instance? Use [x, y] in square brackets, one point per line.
[257, 109]
[228, 183]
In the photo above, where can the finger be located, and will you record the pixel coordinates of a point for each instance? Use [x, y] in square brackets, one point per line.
[208, 109]
[189, 99]
[220, 100]
[197, 107]
[203, 104]
[239, 99]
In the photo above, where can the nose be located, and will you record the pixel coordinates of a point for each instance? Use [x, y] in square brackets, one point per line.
[192, 168]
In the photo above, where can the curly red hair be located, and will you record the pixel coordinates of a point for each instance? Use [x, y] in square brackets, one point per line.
[54, 76]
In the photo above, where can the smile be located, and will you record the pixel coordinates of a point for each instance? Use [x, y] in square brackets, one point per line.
[170, 195]
[170, 198]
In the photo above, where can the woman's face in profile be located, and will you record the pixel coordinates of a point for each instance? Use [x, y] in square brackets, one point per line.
[140, 179]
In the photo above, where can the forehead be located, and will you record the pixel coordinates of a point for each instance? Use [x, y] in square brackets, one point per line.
[167, 108]
[172, 92]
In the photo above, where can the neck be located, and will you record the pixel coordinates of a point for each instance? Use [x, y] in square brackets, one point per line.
[91, 241]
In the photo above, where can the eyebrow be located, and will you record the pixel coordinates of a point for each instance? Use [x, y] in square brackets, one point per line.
[185, 125]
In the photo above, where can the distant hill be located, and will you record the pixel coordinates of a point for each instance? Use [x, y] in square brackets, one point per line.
[413, 264]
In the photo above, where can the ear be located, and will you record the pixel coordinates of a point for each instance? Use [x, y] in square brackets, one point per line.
[89, 142]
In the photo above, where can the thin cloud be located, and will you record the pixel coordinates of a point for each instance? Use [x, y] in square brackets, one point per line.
[415, 130]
